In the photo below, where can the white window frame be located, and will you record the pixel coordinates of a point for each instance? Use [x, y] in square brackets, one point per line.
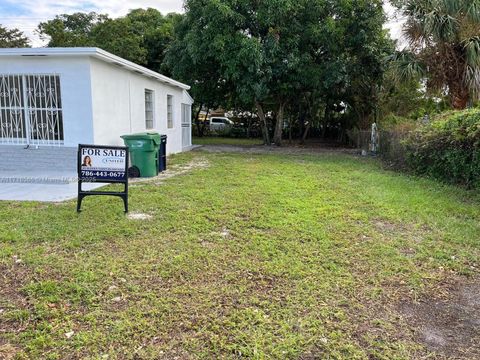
[186, 108]
[170, 112]
[152, 94]
[186, 123]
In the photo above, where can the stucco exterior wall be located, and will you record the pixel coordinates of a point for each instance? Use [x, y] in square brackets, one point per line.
[118, 97]
[102, 101]
[75, 90]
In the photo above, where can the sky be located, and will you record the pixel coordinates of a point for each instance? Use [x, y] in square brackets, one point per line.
[26, 14]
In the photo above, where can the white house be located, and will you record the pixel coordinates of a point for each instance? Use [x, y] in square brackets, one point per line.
[66, 96]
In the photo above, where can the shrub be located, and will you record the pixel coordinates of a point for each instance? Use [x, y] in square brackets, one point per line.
[448, 148]
[392, 121]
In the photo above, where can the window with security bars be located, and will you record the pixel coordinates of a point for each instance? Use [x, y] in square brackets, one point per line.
[149, 106]
[170, 111]
[30, 109]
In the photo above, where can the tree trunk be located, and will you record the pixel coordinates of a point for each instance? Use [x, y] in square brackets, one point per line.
[290, 123]
[197, 121]
[305, 133]
[460, 100]
[326, 118]
[263, 122]
[249, 127]
[204, 124]
[301, 118]
[277, 136]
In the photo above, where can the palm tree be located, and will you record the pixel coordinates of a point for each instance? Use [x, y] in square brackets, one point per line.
[444, 39]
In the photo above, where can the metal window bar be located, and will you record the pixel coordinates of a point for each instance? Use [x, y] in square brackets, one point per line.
[31, 109]
[12, 127]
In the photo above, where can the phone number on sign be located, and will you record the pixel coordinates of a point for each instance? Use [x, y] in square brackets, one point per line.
[110, 174]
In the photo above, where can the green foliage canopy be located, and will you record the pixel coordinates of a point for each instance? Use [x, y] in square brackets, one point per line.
[12, 38]
[141, 36]
[270, 53]
[444, 46]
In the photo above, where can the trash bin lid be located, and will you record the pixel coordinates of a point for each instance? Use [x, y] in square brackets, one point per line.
[155, 137]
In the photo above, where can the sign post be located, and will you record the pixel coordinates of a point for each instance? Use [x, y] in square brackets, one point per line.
[102, 164]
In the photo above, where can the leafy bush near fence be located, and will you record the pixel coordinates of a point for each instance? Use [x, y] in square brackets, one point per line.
[448, 148]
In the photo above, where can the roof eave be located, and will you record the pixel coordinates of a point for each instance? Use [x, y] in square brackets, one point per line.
[96, 53]
[108, 57]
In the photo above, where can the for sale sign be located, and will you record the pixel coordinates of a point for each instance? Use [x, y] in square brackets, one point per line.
[102, 163]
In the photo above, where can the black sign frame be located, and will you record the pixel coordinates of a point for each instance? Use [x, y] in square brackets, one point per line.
[83, 179]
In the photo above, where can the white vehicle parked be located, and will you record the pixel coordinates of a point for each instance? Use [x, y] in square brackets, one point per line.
[220, 123]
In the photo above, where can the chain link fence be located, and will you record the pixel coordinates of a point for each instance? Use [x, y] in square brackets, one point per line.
[389, 144]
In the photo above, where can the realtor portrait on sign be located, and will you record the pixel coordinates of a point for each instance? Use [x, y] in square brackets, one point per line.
[87, 161]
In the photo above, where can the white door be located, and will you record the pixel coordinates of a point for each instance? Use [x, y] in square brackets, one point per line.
[186, 125]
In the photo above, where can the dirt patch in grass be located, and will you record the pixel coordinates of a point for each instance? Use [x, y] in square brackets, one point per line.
[12, 280]
[286, 150]
[139, 216]
[7, 351]
[448, 322]
[394, 229]
[386, 226]
[172, 171]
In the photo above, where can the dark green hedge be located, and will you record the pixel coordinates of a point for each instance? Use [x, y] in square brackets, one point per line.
[448, 148]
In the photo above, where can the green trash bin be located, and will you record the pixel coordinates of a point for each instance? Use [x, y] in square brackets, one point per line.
[143, 149]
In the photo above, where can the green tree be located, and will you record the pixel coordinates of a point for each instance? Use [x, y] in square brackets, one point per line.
[244, 52]
[118, 37]
[74, 30]
[141, 36]
[190, 60]
[366, 45]
[12, 38]
[156, 32]
[270, 53]
[444, 38]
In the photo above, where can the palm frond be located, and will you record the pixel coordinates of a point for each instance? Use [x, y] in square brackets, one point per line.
[472, 9]
[472, 80]
[442, 26]
[472, 51]
[452, 7]
[414, 32]
[405, 67]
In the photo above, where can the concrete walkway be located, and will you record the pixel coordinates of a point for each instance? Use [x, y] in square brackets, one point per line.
[43, 174]
[42, 192]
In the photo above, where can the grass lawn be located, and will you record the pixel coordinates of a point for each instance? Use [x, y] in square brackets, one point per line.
[245, 256]
[217, 140]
